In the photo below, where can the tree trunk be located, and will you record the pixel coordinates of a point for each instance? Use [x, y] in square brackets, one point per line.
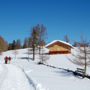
[85, 66]
[33, 52]
[39, 50]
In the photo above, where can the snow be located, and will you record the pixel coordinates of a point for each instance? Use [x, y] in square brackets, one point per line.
[58, 41]
[24, 74]
[13, 78]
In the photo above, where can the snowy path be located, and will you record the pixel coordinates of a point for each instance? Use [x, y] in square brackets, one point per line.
[13, 78]
[3, 74]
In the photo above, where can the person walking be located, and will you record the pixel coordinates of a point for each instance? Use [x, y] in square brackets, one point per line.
[6, 60]
[9, 60]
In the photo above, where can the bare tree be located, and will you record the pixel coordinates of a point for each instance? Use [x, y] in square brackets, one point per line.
[34, 39]
[43, 56]
[0, 52]
[37, 37]
[66, 39]
[42, 36]
[15, 52]
[81, 55]
[75, 44]
[29, 51]
[3, 44]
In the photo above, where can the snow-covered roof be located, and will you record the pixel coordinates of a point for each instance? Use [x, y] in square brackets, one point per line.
[58, 41]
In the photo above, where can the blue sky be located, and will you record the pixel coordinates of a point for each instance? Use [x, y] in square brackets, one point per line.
[61, 17]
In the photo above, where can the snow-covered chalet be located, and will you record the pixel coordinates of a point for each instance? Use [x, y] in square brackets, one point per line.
[59, 47]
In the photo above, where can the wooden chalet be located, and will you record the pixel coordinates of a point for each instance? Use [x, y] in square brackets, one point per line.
[59, 47]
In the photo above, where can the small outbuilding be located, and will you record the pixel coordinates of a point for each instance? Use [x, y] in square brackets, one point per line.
[59, 47]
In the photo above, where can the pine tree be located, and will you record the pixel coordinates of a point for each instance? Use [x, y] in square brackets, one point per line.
[18, 44]
[25, 45]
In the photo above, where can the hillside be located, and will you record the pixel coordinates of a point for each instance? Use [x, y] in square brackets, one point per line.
[24, 74]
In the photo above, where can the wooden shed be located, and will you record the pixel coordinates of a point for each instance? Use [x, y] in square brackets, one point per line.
[59, 47]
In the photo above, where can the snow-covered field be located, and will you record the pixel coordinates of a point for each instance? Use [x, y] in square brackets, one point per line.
[22, 74]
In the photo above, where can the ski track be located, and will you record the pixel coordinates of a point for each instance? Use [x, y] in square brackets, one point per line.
[31, 81]
[13, 78]
[9, 78]
[36, 86]
[3, 75]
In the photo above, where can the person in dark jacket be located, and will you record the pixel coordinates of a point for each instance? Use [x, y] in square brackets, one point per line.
[6, 60]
